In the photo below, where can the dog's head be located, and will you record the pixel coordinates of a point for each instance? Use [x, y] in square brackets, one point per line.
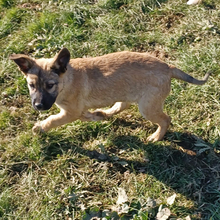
[43, 76]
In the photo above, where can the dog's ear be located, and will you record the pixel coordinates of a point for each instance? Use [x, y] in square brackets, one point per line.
[61, 61]
[23, 61]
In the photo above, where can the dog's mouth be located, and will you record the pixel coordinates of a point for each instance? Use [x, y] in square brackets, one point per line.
[41, 106]
[43, 103]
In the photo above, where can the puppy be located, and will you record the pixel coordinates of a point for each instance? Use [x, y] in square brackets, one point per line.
[77, 85]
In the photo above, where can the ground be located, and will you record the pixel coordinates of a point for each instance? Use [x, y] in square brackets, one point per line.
[77, 171]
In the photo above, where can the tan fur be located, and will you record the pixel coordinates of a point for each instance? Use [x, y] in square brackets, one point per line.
[121, 78]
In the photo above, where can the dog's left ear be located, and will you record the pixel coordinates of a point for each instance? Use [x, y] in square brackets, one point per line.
[23, 61]
[61, 61]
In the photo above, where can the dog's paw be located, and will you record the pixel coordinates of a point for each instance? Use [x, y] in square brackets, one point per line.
[99, 114]
[154, 138]
[37, 129]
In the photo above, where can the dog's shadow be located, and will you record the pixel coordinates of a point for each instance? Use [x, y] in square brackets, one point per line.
[188, 165]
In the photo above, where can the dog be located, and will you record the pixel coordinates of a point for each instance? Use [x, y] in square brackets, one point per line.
[77, 85]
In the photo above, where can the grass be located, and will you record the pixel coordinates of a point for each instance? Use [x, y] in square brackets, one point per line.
[74, 172]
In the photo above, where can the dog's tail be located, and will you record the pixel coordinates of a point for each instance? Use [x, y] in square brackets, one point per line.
[179, 74]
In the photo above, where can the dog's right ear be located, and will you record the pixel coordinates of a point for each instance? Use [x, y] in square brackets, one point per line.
[23, 61]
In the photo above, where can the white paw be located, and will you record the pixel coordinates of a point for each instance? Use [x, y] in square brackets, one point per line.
[154, 137]
[37, 128]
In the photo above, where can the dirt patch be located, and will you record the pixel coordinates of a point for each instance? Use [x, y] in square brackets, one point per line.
[170, 20]
[32, 6]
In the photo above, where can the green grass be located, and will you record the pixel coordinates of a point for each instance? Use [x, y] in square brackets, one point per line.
[74, 172]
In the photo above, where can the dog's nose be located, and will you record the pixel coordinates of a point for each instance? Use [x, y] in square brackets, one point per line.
[39, 106]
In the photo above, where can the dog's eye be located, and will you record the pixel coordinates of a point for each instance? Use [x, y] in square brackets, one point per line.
[32, 86]
[50, 86]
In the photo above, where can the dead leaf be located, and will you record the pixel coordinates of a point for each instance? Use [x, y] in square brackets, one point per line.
[124, 208]
[171, 199]
[163, 214]
[151, 203]
[122, 196]
[193, 2]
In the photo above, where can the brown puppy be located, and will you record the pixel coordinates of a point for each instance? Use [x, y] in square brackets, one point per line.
[76, 85]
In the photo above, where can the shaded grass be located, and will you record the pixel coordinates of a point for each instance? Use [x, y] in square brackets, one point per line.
[119, 160]
[74, 171]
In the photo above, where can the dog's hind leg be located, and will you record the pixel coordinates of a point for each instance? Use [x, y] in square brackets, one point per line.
[115, 109]
[152, 110]
[101, 114]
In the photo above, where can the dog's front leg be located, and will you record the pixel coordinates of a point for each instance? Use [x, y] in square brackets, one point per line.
[54, 121]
